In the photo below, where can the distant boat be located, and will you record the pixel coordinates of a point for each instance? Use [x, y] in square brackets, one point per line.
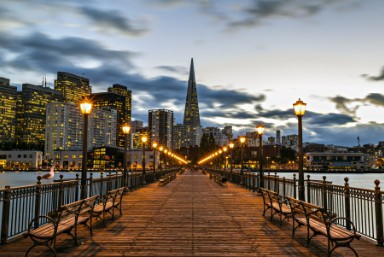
[49, 175]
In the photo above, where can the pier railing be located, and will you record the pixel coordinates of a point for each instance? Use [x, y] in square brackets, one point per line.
[364, 207]
[19, 205]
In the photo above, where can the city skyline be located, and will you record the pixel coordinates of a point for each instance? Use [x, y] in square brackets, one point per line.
[253, 59]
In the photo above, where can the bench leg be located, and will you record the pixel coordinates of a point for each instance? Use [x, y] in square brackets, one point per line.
[34, 245]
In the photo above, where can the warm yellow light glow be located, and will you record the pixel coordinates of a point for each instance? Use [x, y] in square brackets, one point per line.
[242, 140]
[225, 148]
[144, 139]
[260, 129]
[161, 148]
[165, 151]
[126, 128]
[86, 106]
[154, 145]
[231, 145]
[299, 108]
[220, 151]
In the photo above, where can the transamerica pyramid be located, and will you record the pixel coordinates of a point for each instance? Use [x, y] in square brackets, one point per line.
[192, 126]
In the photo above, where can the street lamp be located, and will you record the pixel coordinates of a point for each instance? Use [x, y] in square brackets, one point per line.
[144, 139]
[126, 129]
[85, 108]
[299, 108]
[161, 148]
[231, 145]
[165, 158]
[242, 141]
[260, 131]
[225, 149]
[154, 145]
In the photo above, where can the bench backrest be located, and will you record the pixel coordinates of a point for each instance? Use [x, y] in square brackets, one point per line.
[310, 211]
[68, 210]
[89, 204]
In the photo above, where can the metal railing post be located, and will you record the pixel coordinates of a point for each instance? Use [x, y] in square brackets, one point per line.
[379, 214]
[5, 218]
[347, 202]
[308, 188]
[37, 201]
[324, 191]
[294, 186]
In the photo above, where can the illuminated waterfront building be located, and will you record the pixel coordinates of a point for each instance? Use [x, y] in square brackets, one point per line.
[31, 113]
[8, 95]
[72, 87]
[177, 136]
[160, 125]
[64, 128]
[123, 90]
[114, 101]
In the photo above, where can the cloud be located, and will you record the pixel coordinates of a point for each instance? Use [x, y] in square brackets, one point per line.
[175, 69]
[380, 77]
[329, 119]
[257, 12]
[41, 53]
[343, 105]
[113, 20]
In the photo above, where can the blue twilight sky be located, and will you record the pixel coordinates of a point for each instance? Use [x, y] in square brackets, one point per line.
[253, 58]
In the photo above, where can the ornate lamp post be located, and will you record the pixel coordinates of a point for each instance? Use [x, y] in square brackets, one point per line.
[225, 149]
[299, 108]
[144, 139]
[260, 131]
[231, 145]
[242, 141]
[126, 129]
[165, 158]
[154, 146]
[85, 108]
[161, 148]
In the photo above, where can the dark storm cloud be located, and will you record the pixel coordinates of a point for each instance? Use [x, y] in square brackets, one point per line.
[277, 114]
[350, 106]
[259, 10]
[112, 19]
[329, 119]
[39, 52]
[227, 97]
[379, 77]
[176, 69]
[342, 104]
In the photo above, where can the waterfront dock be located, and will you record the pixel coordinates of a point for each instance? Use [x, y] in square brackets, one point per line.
[192, 216]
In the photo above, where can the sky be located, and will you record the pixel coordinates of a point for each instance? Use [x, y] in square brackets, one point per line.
[253, 58]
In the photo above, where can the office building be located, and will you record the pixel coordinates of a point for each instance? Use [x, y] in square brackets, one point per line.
[8, 96]
[72, 87]
[32, 103]
[160, 125]
[114, 101]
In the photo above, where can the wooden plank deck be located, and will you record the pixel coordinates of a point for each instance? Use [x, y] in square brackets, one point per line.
[191, 216]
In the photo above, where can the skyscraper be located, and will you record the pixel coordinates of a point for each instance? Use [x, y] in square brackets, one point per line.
[31, 113]
[8, 95]
[123, 90]
[160, 125]
[115, 101]
[72, 87]
[192, 125]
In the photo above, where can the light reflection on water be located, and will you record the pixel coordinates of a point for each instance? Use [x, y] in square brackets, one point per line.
[22, 178]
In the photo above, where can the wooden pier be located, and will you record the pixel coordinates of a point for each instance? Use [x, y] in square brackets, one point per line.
[191, 216]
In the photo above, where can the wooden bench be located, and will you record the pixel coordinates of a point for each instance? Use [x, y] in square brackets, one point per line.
[108, 203]
[220, 179]
[318, 220]
[43, 230]
[166, 179]
[276, 204]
